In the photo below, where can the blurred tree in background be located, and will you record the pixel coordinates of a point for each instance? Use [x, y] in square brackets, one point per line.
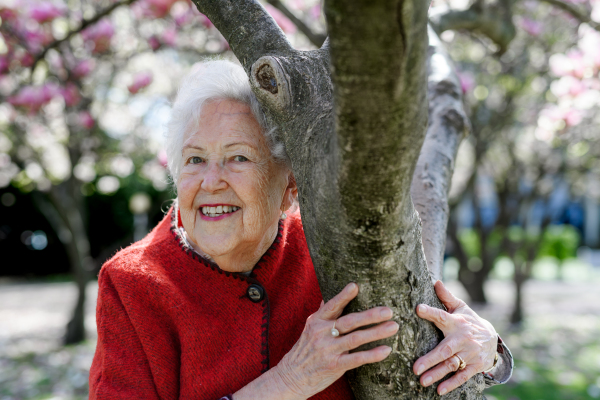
[533, 149]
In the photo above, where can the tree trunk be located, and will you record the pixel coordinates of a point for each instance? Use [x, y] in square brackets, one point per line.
[473, 282]
[354, 137]
[66, 213]
[516, 316]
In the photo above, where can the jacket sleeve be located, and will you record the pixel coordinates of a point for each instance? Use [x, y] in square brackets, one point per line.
[503, 369]
[120, 369]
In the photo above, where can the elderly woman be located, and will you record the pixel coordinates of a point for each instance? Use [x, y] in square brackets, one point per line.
[220, 300]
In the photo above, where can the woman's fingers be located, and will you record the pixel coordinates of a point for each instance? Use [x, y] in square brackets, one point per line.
[350, 322]
[443, 351]
[451, 302]
[458, 379]
[440, 318]
[440, 371]
[355, 360]
[363, 336]
[334, 307]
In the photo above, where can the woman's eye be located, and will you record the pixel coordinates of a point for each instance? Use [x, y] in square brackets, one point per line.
[240, 159]
[195, 160]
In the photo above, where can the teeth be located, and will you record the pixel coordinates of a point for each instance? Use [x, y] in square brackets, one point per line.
[219, 210]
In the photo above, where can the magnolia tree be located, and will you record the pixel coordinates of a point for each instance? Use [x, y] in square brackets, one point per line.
[533, 112]
[85, 90]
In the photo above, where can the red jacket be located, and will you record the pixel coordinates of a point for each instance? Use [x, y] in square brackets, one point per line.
[172, 325]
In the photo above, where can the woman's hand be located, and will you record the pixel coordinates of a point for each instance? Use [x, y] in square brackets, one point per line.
[318, 358]
[467, 336]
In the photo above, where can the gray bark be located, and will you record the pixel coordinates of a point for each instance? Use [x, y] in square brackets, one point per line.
[448, 125]
[490, 18]
[354, 136]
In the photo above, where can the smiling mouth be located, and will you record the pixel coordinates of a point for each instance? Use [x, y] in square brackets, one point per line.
[217, 211]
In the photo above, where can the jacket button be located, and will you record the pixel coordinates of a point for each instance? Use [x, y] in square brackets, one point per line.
[256, 293]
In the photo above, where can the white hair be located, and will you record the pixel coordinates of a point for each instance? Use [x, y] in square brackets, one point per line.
[213, 80]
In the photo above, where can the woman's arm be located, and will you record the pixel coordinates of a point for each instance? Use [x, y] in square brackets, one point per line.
[318, 358]
[120, 368]
[467, 337]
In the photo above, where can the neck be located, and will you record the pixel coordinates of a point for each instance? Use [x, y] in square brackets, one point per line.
[240, 261]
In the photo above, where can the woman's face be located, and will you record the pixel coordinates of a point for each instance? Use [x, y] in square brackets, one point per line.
[230, 190]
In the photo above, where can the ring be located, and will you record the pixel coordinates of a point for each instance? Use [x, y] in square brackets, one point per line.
[462, 364]
[334, 332]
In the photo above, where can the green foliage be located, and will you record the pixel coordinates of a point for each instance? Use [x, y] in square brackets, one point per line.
[560, 241]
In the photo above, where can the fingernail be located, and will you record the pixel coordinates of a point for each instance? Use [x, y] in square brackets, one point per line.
[388, 350]
[427, 381]
[443, 391]
[393, 327]
[351, 287]
[420, 369]
[386, 313]
[422, 308]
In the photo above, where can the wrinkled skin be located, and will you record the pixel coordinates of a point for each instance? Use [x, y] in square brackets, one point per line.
[226, 160]
[466, 334]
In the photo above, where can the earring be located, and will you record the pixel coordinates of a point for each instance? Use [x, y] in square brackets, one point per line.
[283, 216]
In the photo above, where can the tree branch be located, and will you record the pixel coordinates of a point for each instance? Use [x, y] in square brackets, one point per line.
[574, 12]
[493, 20]
[84, 24]
[316, 38]
[448, 125]
[248, 28]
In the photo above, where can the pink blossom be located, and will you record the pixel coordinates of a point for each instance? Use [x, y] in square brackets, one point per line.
[573, 117]
[156, 8]
[4, 63]
[26, 59]
[169, 37]
[36, 39]
[34, 97]
[140, 81]
[100, 34]
[154, 43]
[83, 68]
[44, 12]
[162, 158]
[8, 13]
[534, 28]
[467, 81]
[205, 21]
[315, 11]
[71, 94]
[85, 120]
[284, 23]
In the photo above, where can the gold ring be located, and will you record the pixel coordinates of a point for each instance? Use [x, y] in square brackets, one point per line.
[462, 364]
[334, 332]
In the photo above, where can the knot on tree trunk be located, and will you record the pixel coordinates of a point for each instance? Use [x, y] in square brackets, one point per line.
[271, 83]
[266, 78]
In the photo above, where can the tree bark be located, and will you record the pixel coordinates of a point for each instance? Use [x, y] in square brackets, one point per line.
[66, 204]
[354, 137]
[448, 125]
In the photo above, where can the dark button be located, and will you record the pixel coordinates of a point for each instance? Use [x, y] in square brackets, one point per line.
[256, 293]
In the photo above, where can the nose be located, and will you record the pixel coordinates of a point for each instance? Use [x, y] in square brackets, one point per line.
[213, 178]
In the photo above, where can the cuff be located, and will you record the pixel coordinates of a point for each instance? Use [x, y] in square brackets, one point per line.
[503, 369]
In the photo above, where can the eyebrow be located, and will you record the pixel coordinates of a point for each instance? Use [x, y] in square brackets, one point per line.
[190, 146]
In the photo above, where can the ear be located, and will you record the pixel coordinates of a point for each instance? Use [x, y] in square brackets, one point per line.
[290, 196]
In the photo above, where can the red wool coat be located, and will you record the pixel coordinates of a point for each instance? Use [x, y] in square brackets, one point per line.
[171, 325]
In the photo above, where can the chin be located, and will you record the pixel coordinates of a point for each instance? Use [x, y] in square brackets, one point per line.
[216, 245]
